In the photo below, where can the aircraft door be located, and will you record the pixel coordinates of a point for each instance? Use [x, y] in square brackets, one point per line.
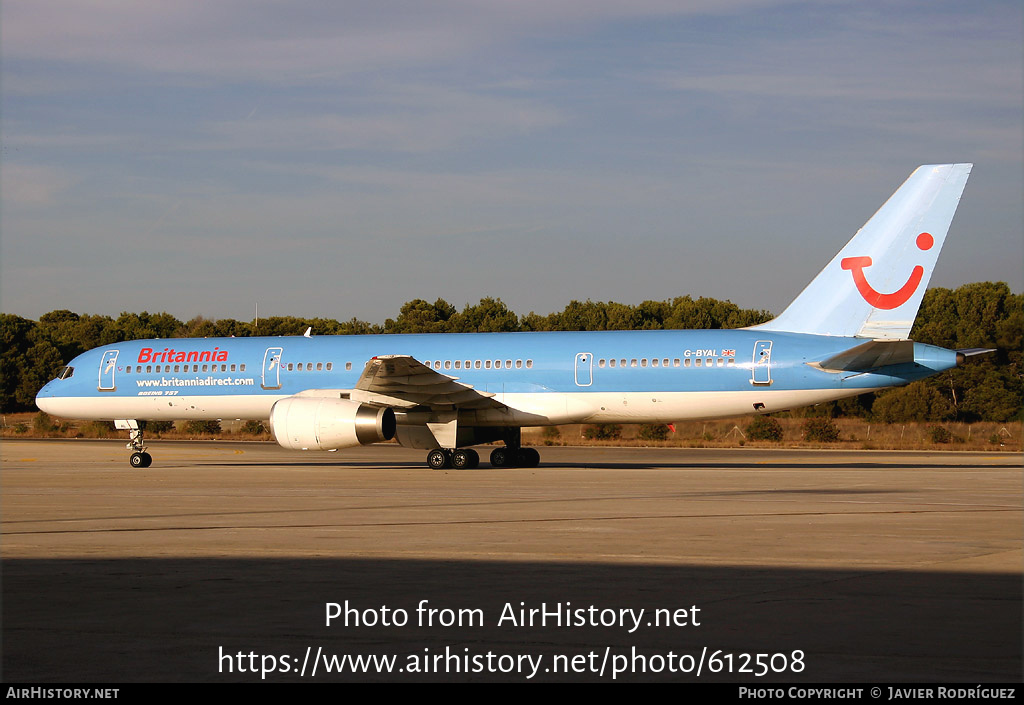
[762, 368]
[584, 369]
[272, 368]
[108, 364]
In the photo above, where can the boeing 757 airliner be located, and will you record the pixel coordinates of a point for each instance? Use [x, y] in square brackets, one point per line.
[847, 333]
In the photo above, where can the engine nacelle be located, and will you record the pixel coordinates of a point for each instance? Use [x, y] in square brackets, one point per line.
[313, 423]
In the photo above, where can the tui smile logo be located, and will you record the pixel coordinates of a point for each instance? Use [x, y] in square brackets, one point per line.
[857, 265]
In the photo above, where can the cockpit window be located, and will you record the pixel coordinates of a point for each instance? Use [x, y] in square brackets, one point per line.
[65, 372]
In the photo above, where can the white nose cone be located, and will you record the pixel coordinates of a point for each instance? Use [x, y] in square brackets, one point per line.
[46, 401]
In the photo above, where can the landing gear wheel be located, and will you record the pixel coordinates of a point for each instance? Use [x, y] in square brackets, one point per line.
[465, 459]
[140, 460]
[501, 458]
[438, 459]
[528, 457]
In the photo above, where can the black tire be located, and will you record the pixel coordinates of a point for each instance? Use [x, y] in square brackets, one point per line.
[138, 460]
[500, 457]
[474, 458]
[147, 460]
[438, 459]
[529, 457]
[461, 459]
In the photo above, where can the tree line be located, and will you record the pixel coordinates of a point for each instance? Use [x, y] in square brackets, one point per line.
[980, 315]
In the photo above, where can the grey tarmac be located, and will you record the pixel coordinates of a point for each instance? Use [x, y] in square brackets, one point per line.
[874, 565]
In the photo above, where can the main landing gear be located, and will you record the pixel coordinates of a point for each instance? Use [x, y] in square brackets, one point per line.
[139, 457]
[467, 458]
[459, 458]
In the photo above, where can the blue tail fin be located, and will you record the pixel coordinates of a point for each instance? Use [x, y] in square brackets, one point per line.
[874, 286]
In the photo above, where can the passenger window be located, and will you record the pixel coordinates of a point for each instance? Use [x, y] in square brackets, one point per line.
[632, 363]
[697, 362]
[497, 364]
[232, 368]
[476, 365]
[330, 366]
[223, 368]
[149, 368]
[707, 363]
[458, 364]
[447, 364]
[508, 364]
[686, 362]
[468, 364]
[643, 362]
[664, 363]
[206, 368]
[320, 366]
[529, 363]
[731, 362]
[654, 362]
[611, 363]
[622, 362]
[720, 362]
[241, 368]
[675, 362]
[600, 363]
[348, 366]
[519, 364]
[487, 364]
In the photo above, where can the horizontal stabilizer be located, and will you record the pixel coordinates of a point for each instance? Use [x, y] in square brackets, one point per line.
[870, 355]
[963, 355]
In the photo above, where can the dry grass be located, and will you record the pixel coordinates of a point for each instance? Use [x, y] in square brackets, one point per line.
[33, 425]
[854, 434]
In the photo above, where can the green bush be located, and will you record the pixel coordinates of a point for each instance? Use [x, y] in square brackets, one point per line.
[939, 434]
[917, 401]
[652, 432]
[551, 435]
[42, 423]
[603, 432]
[199, 427]
[821, 430]
[764, 428]
[254, 428]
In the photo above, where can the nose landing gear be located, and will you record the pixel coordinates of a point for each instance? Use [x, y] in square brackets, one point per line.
[139, 457]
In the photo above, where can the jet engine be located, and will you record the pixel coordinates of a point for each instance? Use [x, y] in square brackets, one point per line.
[313, 423]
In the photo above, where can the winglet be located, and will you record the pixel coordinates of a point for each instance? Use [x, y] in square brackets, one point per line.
[874, 286]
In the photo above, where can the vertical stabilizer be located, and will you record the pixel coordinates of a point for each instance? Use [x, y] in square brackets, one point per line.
[874, 286]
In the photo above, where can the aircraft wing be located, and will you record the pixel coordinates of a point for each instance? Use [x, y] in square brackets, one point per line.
[404, 382]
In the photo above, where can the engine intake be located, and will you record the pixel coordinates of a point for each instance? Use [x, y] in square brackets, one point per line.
[311, 423]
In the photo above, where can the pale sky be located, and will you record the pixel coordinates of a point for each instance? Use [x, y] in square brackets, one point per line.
[338, 159]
